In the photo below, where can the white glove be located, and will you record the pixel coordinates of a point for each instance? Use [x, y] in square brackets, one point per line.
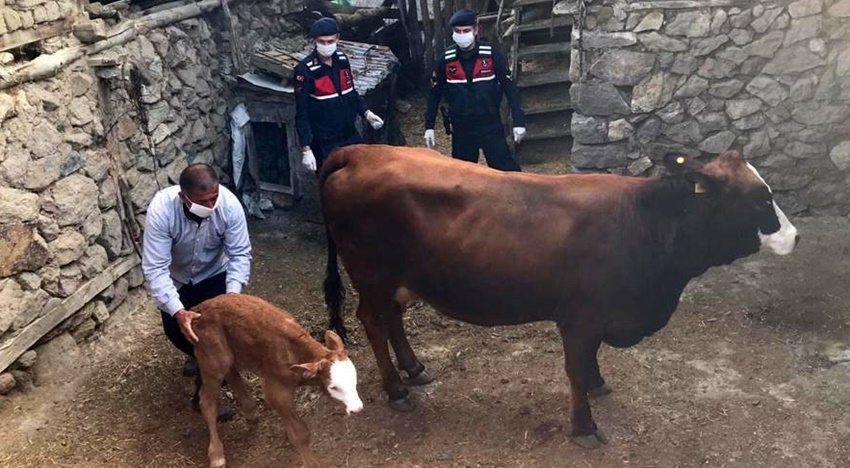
[308, 160]
[519, 134]
[430, 141]
[375, 121]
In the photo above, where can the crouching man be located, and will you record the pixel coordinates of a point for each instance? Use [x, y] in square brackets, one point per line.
[196, 247]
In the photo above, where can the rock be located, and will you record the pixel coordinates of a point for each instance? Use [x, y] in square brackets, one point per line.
[598, 99]
[73, 163]
[840, 9]
[709, 45]
[693, 87]
[12, 19]
[651, 22]
[672, 113]
[767, 89]
[787, 180]
[598, 156]
[623, 67]
[18, 206]
[57, 360]
[31, 308]
[11, 298]
[733, 54]
[619, 130]
[800, 150]
[604, 40]
[69, 280]
[840, 155]
[720, 17]
[80, 83]
[26, 360]
[753, 66]
[815, 113]
[685, 132]
[691, 24]
[653, 92]
[802, 8]
[763, 22]
[97, 163]
[739, 108]
[92, 226]
[802, 29]
[741, 20]
[135, 277]
[759, 144]
[767, 45]
[794, 59]
[21, 249]
[29, 281]
[640, 166]
[713, 68]
[649, 131]
[120, 294]
[718, 143]
[48, 228]
[656, 42]
[781, 23]
[84, 330]
[72, 199]
[726, 89]
[79, 112]
[45, 141]
[7, 383]
[108, 196]
[696, 106]
[741, 36]
[685, 64]
[111, 237]
[749, 122]
[712, 121]
[99, 311]
[93, 261]
[588, 129]
[68, 247]
[818, 46]
[77, 138]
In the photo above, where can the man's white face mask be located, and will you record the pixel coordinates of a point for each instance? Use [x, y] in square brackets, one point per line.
[326, 50]
[464, 40]
[201, 211]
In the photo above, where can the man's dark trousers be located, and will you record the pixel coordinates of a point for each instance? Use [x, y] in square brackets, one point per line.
[489, 135]
[192, 295]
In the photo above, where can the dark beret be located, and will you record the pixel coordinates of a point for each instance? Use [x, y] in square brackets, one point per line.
[464, 17]
[324, 27]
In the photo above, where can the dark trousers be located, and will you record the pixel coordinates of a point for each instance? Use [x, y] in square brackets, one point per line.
[321, 149]
[488, 135]
[192, 295]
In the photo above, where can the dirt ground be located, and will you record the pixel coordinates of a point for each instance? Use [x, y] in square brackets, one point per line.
[752, 371]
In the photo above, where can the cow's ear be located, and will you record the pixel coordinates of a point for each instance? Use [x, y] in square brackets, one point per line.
[702, 182]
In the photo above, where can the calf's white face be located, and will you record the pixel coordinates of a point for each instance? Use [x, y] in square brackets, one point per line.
[342, 386]
[781, 242]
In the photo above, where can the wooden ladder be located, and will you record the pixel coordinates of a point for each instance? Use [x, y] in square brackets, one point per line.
[540, 59]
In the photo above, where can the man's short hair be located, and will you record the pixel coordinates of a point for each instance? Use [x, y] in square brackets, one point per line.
[198, 178]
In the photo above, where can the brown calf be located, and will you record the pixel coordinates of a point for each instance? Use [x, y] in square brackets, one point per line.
[240, 332]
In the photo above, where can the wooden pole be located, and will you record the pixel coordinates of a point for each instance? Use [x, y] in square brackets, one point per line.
[439, 25]
[429, 36]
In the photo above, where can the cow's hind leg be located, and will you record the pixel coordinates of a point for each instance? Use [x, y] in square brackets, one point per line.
[598, 387]
[246, 400]
[374, 311]
[407, 361]
[579, 358]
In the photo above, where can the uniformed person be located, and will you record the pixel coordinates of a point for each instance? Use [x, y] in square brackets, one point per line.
[473, 75]
[326, 103]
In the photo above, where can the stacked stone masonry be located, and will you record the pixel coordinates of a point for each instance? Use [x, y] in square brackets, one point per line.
[770, 78]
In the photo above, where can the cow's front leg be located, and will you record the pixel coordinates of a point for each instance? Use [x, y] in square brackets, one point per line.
[579, 358]
[598, 387]
[369, 311]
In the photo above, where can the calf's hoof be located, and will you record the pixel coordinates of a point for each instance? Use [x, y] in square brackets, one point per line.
[590, 441]
[422, 378]
[403, 404]
[217, 463]
[599, 391]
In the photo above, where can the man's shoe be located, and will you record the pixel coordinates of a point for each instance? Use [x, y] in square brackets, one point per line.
[190, 367]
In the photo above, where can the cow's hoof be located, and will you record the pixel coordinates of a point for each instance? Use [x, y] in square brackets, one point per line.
[599, 391]
[403, 404]
[422, 378]
[592, 441]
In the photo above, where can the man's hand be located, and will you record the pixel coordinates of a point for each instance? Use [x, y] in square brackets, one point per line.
[519, 134]
[430, 140]
[184, 319]
[308, 160]
[375, 121]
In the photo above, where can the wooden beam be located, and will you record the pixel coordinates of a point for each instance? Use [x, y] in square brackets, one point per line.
[27, 36]
[12, 349]
[684, 4]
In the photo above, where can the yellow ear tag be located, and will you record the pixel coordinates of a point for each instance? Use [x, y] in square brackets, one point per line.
[698, 188]
[680, 160]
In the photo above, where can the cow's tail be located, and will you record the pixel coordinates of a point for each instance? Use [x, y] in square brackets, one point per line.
[333, 287]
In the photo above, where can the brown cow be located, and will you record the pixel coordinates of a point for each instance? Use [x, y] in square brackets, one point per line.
[240, 332]
[605, 257]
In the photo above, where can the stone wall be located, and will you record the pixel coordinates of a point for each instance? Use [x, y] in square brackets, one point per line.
[20, 18]
[770, 78]
[79, 162]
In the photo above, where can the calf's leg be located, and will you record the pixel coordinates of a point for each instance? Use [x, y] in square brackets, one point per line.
[279, 397]
[249, 406]
[407, 361]
[209, 409]
[579, 358]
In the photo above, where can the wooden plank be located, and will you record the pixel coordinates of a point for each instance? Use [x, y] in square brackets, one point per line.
[19, 344]
[684, 4]
[27, 36]
[522, 3]
[536, 79]
[553, 48]
[554, 106]
[558, 21]
[539, 132]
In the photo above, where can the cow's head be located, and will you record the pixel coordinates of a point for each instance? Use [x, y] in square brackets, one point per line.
[334, 373]
[737, 206]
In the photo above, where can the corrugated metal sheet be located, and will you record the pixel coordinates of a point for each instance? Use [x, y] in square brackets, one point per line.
[371, 64]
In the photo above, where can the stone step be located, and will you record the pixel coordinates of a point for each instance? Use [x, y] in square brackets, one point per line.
[550, 107]
[557, 22]
[550, 130]
[528, 80]
[541, 49]
[522, 3]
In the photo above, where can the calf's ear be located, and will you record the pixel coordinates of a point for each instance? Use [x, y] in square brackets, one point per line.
[333, 341]
[307, 370]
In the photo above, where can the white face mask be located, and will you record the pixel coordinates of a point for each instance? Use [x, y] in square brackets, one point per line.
[201, 211]
[464, 40]
[326, 50]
